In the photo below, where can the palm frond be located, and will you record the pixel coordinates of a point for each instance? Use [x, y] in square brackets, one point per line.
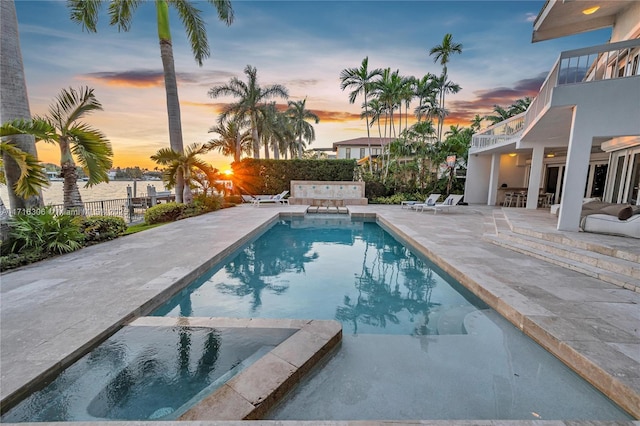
[93, 151]
[40, 128]
[195, 27]
[121, 13]
[165, 156]
[85, 13]
[32, 175]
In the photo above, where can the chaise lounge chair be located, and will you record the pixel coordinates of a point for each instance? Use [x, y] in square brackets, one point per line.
[451, 201]
[430, 201]
[273, 199]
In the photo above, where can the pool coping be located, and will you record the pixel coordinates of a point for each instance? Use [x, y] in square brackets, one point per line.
[534, 326]
[253, 392]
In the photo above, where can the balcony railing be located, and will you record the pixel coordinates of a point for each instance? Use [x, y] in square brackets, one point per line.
[603, 62]
[503, 132]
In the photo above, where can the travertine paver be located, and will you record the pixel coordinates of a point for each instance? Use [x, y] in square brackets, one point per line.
[53, 310]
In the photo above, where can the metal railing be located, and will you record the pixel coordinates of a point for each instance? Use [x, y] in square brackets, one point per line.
[596, 63]
[130, 209]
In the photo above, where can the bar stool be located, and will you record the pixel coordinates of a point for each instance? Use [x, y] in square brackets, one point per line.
[509, 198]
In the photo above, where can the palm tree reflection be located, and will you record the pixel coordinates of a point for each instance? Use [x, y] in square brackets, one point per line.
[392, 281]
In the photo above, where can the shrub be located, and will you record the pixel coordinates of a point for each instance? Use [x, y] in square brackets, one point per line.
[167, 212]
[102, 228]
[14, 260]
[374, 189]
[45, 231]
[233, 199]
[202, 204]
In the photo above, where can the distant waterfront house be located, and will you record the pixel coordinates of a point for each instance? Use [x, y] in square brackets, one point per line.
[361, 149]
[581, 135]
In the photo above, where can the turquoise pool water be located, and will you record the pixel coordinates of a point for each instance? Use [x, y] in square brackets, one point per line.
[147, 373]
[351, 271]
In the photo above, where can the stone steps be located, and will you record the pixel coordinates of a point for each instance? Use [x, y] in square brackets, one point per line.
[613, 266]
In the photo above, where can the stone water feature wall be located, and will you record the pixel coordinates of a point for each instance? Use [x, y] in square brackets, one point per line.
[327, 193]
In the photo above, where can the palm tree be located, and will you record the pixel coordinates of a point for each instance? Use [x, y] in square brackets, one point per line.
[251, 100]
[520, 106]
[443, 86]
[85, 13]
[182, 163]
[14, 105]
[425, 90]
[360, 80]
[303, 130]
[233, 139]
[500, 114]
[441, 53]
[88, 145]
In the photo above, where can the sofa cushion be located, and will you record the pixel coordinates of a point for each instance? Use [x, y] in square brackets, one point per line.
[621, 211]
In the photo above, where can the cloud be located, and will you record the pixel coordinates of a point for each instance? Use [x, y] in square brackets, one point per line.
[155, 78]
[484, 100]
[531, 17]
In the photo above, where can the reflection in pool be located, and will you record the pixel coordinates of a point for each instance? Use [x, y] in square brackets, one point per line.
[147, 373]
[354, 272]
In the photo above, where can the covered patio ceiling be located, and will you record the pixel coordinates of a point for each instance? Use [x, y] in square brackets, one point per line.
[559, 18]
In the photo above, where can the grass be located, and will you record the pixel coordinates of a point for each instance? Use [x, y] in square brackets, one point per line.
[138, 227]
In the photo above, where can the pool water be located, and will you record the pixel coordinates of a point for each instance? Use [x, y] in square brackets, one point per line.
[147, 373]
[416, 343]
[351, 271]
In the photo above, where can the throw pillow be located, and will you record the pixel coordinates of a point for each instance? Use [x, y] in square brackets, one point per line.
[622, 211]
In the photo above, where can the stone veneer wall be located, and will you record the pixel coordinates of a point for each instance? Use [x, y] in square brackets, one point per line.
[327, 193]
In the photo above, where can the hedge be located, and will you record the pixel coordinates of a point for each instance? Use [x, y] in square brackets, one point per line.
[255, 176]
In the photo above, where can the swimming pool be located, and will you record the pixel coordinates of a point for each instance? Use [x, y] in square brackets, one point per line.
[416, 344]
[351, 271]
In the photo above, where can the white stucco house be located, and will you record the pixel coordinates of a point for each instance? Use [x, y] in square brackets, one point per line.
[581, 135]
[360, 148]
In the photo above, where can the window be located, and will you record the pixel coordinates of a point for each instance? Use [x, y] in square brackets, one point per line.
[361, 152]
[347, 153]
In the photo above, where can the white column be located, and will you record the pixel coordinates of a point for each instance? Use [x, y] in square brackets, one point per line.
[575, 175]
[535, 176]
[493, 180]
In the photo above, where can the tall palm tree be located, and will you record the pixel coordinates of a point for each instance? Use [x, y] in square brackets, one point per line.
[15, 104]
[76, 140]
[360, 80]
[441, 53]
[302, 129]
[520, 105]
[182, 163]
[443, 86]
[425, 90]
[85, 13]
[251, 100]
[233, 139]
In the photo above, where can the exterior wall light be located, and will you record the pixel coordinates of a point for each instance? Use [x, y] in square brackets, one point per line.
[591, 10]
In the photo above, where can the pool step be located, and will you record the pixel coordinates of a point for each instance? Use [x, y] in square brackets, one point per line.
[613, 268]
[327, 210]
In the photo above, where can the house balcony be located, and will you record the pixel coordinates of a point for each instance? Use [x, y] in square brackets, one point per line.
[583, 67]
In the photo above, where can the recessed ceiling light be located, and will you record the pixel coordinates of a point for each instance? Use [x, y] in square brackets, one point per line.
[550, 155]
[591, 10]
[513, 154]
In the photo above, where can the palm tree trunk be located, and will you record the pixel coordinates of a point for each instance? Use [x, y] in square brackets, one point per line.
[366, 117]
[299, 147]
[276, 151]
[173, 108]
[71, 194]
[255, 138]
[15, 103]
[266, 150]
[237, 152]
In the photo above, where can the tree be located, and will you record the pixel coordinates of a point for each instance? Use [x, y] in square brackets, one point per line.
[233, 140]
[85, 13]
[251, 101]
[184, 164]
[425, 90]
[499, 114]
[441, 53]
[76, 140]
[360, 80]
[303, 130]
[443, 86]
[14, 106]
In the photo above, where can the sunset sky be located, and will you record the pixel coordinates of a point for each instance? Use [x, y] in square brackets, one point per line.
[302, 45]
